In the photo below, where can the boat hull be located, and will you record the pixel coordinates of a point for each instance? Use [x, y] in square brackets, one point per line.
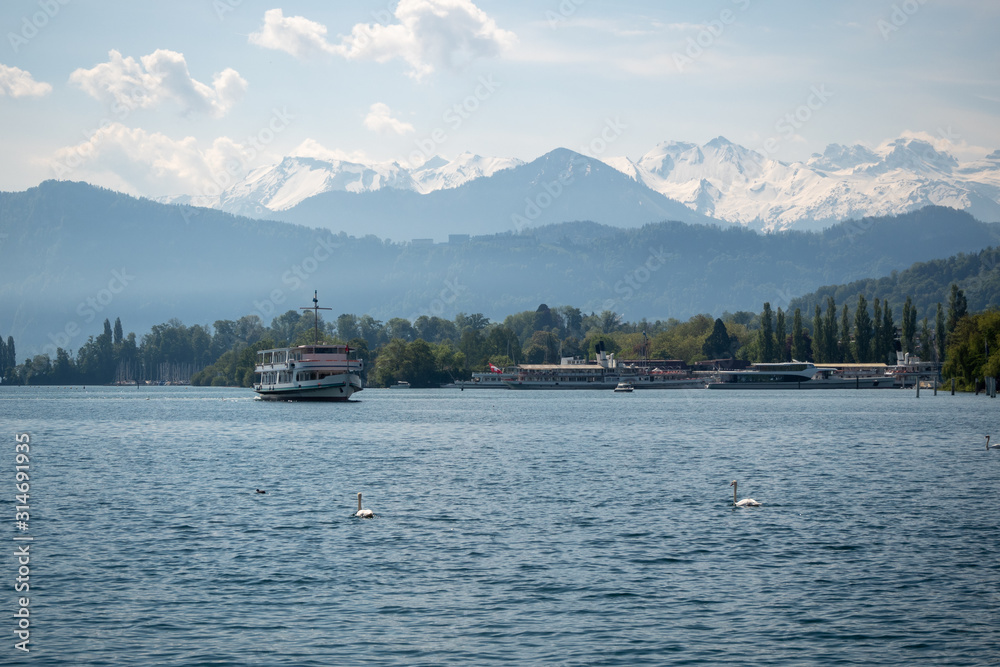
[608, 384]
[338, 390]
[858, 383]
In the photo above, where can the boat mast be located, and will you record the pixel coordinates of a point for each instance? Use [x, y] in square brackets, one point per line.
[315, 308]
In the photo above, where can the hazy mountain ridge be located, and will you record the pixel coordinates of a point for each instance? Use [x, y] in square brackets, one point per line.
[69, 247]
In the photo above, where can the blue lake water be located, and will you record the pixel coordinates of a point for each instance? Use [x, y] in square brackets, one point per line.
[513, 527]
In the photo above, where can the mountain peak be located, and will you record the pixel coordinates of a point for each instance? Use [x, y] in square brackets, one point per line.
[433, 163]
[719, 142]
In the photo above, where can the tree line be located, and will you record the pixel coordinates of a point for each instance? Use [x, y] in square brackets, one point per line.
[866, 335]
[430, 350]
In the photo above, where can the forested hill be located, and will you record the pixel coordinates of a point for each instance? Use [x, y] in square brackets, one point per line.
[977, 274]
[72, 254]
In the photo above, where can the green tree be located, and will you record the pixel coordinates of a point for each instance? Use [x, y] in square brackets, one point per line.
[419, 367]
[501, 340]
[476, 322]
[926, 348]
[543, 348]
[717, 345]
[435, 329]
[957, 307]
[940, 334]
[765, 335]
[799, 350]
[286, 327]
[819, 337]
[63, 371]
[966, 358]
[609, 322]
[830, 331]
[119, 335]
[571, 347]
[347, 327]
[398, 327]
[471, 344]
[888, 335]
[389, 368]
[862, 331]
[878, 353]
[546, 319]
[781, 336]
[573, 319]
[909, 327]
[372, 331]
[846, 355]
[590, 344]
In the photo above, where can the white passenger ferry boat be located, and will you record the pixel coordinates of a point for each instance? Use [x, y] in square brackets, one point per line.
[491, 380]
[315, 372]
[603, 373]
[795, 375]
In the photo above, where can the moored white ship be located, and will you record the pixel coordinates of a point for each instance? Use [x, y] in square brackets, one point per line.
[795, 375]
[307, 373]
[316, 372]
[603, 373]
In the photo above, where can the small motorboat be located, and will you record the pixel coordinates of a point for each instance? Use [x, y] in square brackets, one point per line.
[624, 387]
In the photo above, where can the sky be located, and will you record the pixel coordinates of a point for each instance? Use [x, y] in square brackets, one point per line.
[186, 97]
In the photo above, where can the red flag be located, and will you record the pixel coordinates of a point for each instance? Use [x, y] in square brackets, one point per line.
[495, 369]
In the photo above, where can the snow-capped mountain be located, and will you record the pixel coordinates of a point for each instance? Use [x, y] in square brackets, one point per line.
[720, 180]
[727, 181]
[440, 174]
[559, 186]
[279, 187]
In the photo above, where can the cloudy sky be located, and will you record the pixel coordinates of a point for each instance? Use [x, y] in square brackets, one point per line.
[172, 97]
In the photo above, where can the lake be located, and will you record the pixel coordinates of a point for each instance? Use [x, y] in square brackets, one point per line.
[571, 528]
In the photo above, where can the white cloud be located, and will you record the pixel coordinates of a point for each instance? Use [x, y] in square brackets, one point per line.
[160, 76]
[153, 163]
[379, 119]
[18, 83]
[312, 148]
[296, 35]
[427, 34]
[945, 140]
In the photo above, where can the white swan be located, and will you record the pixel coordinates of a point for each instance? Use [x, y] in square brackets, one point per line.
[989, 446]
[363, 514]
[746, 502]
